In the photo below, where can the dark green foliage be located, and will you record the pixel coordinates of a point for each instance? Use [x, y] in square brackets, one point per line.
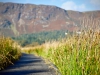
[39, 38]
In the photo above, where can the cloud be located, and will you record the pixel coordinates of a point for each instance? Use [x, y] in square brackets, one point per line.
[82, 6]
[70, 5]
[95, 2]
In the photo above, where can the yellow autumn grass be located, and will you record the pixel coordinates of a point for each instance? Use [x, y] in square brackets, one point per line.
[9, 52]
[76, 55]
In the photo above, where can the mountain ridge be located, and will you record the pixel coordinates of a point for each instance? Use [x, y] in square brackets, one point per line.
[17, 18]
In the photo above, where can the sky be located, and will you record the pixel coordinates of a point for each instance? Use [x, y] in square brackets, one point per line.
[76, 5]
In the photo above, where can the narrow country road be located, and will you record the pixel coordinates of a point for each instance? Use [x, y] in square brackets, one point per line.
[29, 65]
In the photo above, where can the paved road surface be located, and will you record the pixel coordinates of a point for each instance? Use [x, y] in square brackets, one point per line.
[29, 65]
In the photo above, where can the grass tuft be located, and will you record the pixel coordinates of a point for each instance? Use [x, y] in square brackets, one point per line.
[8, 52]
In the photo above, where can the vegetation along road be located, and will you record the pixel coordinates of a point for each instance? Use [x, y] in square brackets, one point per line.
[29, 65]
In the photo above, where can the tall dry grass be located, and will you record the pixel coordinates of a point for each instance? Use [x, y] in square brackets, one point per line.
[8, 52]
[77, 54]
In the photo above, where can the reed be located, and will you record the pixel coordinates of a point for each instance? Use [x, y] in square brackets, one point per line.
[9, 52]
[78, 54]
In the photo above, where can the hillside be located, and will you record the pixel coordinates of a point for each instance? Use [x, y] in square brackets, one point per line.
[16, 19]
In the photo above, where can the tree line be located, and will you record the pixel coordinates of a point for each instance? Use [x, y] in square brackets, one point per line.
[39, 38]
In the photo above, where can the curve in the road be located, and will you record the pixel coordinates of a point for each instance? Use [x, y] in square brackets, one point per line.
[29, 65]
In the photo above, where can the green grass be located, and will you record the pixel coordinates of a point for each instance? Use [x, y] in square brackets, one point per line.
[8, 52]
[76, 55]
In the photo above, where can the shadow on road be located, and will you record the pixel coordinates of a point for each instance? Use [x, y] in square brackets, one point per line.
[28, 64]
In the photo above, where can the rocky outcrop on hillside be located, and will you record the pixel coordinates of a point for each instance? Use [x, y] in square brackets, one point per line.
[16, 19]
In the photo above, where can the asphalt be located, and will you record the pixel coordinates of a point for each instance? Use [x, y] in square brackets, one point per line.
[30, 64]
